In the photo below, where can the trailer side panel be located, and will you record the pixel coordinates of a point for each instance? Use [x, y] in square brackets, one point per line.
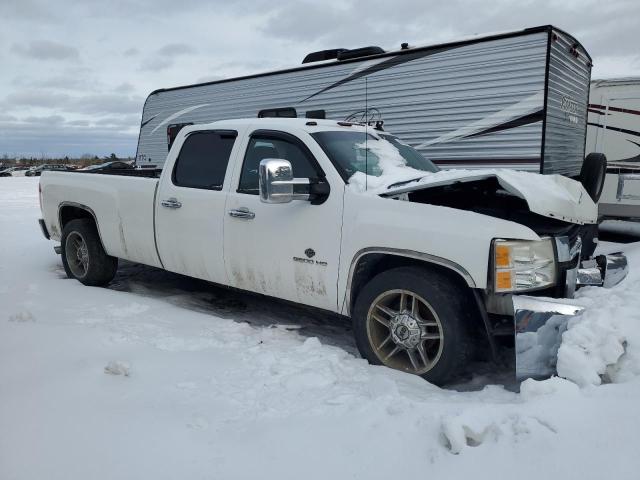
[471, 104]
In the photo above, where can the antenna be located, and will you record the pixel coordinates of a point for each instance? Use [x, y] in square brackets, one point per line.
[366, 138]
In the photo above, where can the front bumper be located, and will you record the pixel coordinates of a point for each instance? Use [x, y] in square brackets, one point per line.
[540, 322]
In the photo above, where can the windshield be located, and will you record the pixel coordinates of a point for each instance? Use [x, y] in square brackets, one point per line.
[357, 153]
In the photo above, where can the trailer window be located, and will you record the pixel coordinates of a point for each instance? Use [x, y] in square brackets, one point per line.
[203, 159]
[263, 147]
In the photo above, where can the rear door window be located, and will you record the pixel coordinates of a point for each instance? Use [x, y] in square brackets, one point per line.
[203, 159]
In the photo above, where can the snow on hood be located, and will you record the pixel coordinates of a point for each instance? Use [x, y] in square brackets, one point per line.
[552, 196]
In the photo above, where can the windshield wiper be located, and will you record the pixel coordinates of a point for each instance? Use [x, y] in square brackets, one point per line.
[405, 182]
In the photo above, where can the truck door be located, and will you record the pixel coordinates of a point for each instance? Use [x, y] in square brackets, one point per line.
[190, 206]
[290, 250]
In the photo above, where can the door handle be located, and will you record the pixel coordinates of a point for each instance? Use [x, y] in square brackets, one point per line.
[242, 213]
[171, 203]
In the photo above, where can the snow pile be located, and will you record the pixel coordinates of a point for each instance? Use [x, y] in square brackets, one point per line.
[117, 367]
[603, 344]
[229, 385]
[24, 316]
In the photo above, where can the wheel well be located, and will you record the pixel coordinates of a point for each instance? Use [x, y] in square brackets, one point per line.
[71, 212]
[75, 212]
[372, 264]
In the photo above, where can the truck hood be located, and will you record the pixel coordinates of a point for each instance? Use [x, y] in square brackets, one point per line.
[552, 196]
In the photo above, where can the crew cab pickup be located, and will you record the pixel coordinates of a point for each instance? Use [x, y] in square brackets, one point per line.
[430, 265]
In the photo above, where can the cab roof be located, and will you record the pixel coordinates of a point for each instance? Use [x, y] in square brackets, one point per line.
[308, 125]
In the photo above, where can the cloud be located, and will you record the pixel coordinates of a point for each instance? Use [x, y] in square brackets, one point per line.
[164, 57]
[61, 82]
[106, 103]
[45, 50]
[95, 104]
[331, 20]
[122, 121]
[209, 78]
[156, 64]
[604, 28]
[27, 10]
[79, 123]
[36, 98]
[131, 52]
[46, 120]
[124, 87]
[174, 49]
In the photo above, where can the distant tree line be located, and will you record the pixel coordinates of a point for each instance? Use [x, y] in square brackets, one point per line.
[82, 161]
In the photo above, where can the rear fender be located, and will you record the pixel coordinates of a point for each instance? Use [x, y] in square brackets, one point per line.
[68, 211]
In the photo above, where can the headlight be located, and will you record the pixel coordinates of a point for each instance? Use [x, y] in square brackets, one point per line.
[523, 264]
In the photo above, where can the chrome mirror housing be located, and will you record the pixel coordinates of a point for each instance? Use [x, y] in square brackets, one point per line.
[276, 181]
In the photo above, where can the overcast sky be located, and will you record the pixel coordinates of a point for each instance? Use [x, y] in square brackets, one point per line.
[75, 73]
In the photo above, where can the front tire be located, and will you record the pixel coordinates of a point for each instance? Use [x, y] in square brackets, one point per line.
[83, 257]
[415, 320]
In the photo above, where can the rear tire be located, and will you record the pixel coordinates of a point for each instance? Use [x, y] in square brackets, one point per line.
[426, 334]
[83, 256]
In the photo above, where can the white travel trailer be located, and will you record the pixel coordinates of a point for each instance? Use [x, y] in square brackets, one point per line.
[511, 100]
[614, 129]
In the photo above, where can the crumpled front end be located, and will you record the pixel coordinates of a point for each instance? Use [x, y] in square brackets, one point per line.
[540, 322]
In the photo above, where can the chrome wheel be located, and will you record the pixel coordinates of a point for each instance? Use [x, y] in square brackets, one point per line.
[77, 254]
[404, 331]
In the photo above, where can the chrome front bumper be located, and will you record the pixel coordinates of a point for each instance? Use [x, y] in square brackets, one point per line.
[540, 322]
[603, 271]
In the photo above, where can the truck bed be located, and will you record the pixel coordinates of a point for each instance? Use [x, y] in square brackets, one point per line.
[126, 172]
[123, 203]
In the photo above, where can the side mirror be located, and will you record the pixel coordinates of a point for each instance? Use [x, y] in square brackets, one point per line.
[276, 182]
[275, 176]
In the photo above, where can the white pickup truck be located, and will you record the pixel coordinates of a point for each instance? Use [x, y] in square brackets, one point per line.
[432, 266]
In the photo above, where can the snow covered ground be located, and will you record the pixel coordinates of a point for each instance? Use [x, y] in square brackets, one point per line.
[163, 377]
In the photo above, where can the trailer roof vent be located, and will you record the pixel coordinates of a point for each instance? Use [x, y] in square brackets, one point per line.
[286, 112]
[322, 55]
[342, 54]
[360, 52]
